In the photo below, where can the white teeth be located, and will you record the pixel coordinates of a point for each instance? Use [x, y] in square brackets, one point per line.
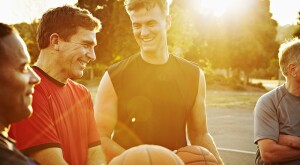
[147, 39]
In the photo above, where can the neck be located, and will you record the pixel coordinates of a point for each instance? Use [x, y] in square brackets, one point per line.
[158, 57]
[46, 61]
[293, 88]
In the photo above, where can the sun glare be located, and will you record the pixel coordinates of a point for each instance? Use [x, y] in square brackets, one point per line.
[216, 7]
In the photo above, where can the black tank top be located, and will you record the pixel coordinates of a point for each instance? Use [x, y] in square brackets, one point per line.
[154, 101]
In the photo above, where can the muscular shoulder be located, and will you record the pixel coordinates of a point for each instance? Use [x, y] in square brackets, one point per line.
[186, 63]
[121, 65]
[272, 97]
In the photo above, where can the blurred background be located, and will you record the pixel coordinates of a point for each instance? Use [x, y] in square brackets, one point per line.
[235, 42]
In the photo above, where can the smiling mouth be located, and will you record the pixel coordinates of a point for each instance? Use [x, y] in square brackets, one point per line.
[147, 39]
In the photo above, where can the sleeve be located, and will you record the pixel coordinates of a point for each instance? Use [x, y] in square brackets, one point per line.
[93, 137]
[266, 125]
[37, 132]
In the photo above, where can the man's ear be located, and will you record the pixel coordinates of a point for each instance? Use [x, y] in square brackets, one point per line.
[291, 68]
[169, 21]
[54, 41]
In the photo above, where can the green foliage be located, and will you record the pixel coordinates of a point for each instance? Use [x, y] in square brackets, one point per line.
[297, 32]
[29, 32]
[183, 32]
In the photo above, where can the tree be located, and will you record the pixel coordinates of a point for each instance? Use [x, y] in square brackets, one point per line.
[297, 32]
[182, 33]
[29, 32]
[243, 39]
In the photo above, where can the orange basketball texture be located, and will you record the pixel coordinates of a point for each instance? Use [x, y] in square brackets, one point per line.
[147, 155]
[196, 155]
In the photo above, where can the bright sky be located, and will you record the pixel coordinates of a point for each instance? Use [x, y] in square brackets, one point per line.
[16, 11]
[285, 11]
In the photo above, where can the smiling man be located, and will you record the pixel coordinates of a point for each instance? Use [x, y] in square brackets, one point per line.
[150, 97]
[62, 129]
[16, 86]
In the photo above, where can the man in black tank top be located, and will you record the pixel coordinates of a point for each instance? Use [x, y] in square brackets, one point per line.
[150, 97]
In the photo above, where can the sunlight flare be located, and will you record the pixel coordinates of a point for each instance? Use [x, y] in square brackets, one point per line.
[216, 7]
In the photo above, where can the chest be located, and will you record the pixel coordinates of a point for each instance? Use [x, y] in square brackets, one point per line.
[289, 116]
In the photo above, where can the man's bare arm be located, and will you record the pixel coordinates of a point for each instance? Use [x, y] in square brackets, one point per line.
[49, 156]
[289, 140]
[197, 127]
[96, 156]
[272, 152]
[106, 111]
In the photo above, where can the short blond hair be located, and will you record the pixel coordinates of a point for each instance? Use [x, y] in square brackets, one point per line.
[289, 52]
[133, 5]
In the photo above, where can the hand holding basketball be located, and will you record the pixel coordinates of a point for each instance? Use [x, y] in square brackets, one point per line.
[196, 155]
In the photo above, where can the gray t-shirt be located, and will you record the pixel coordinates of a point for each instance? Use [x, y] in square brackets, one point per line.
[277, 112]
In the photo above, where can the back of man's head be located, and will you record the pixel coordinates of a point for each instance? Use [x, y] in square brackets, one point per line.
[133, 5]
[64, 21]
[289, 53]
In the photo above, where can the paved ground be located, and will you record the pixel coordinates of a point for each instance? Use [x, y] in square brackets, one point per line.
[232, 131]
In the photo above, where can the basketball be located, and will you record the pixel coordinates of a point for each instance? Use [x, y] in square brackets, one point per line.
[196, 155]
[147, 155]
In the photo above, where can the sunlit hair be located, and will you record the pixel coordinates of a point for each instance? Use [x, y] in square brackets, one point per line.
[64, 21]
[5, 30]
[289, 53]
[133, 5]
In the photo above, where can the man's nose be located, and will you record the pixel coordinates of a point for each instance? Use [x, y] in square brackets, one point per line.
[91, 54]
[34, 78]
[144, 31]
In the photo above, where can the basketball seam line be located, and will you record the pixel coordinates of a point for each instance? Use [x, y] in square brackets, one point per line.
[149, 156]
[205, 160]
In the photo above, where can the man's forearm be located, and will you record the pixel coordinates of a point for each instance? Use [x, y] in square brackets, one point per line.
[272, 152]
[96, 156]
[111, 148]
[49, 156]
[207, 142]
[289, 140]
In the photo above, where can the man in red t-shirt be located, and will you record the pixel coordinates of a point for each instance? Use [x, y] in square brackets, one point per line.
[62, 128]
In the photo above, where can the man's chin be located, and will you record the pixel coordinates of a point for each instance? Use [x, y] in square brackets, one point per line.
[77, 75]
[148, 49]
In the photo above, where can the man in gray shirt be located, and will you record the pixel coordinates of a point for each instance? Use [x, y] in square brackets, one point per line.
[277, 113]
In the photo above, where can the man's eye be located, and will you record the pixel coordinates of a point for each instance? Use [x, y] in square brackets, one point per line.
[24, 68]
[151, 24]
[86, 45]
[136, 26]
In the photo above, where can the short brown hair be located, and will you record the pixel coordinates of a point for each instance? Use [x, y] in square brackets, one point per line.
[5, 30]
[64, 21]
[132, 5]
[289, 52]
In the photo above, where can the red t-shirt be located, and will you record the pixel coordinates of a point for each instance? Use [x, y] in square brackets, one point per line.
[63, 116]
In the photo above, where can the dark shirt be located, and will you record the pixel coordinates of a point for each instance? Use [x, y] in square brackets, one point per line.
[9, 155]
[154, 101]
